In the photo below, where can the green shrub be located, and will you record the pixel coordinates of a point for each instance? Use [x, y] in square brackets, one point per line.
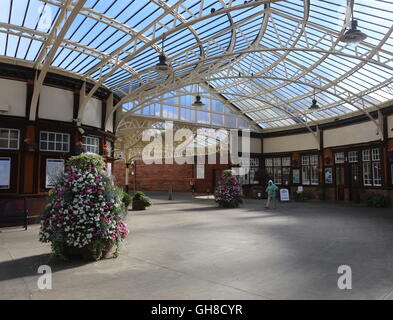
[126, 199]
[139, 195]
[377, 200]
[86, 160]
[227, 172]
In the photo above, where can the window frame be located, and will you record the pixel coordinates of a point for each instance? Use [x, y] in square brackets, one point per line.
[310, 170]
[47, 141]
[86, 145]
[9, 139]
[372, 173]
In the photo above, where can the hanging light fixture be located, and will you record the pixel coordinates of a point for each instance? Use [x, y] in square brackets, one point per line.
[162, 65]
[314, 104]
[353, 35]
[198, 102]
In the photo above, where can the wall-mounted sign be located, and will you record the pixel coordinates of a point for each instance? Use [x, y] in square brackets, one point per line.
[5, 173]
[328, 175]
[54, 168]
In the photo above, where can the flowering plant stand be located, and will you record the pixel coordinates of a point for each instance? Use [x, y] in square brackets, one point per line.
[84, 218]
[228, 193]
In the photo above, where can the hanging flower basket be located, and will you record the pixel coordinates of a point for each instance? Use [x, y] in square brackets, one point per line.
[106, 149]
[30, 145]
[79, 147]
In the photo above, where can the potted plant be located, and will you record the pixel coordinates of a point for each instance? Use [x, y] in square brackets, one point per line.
[140, 201]
[228, 191]
[84, 218]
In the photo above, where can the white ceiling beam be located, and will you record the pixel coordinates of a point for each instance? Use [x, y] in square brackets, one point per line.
[54, 44]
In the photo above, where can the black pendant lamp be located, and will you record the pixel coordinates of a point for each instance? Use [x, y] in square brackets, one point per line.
[198, 102]
[314, 104]
[162, 65]
[353, 35]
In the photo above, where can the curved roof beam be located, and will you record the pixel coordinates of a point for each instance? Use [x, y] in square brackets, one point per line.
[167, 85]
[102, 18]
[48, 50]
[191, 48]
[66, 44]
[158, 38]
[294, 43]
[174, 12]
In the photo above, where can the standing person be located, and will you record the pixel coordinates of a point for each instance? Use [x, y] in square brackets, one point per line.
[271, 194]
[192, 185]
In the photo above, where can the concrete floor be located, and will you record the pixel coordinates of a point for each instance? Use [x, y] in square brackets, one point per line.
[189, 249]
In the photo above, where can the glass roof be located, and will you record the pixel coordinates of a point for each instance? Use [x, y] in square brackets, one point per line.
[268, 58]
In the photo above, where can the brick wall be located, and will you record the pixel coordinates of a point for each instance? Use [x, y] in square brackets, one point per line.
[161, 177]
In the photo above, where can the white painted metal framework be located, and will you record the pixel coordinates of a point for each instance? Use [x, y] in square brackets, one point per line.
[264, 59]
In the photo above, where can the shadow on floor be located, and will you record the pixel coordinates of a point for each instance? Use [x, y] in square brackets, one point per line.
[28, 266]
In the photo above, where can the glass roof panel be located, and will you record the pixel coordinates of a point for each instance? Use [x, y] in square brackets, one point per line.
[266, 58]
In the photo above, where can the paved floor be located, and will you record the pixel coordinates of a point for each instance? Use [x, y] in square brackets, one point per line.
[189, 249]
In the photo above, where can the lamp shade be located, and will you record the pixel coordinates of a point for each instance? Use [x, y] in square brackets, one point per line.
[198, 102]
[353, 35]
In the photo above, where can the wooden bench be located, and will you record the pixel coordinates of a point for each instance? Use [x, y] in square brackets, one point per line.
[13, 212]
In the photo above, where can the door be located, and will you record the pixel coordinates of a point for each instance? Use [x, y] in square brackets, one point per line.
[216, 176]
[354, 182]
[340, 182]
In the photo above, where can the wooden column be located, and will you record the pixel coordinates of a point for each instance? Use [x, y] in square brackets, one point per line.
[28, 161]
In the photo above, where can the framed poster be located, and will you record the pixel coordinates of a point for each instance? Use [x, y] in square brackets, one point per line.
[296, 176]
[5, 173]
[328, 175]
[54, 167]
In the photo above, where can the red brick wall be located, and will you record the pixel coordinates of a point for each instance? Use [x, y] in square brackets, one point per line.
[161, 177]
[119, 171]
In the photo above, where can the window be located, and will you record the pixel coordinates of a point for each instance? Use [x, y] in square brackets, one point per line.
[54, 142]
[91, 144]
[5, 173]
[339, 157]
[310, 170]
[279, 169]
[9, 139]
[375, 155]
[366, 155]
[249, 177]
[372, 169]
[352, 156]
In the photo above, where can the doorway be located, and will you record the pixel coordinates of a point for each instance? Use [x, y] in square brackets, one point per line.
[217, 173]
[340, 182]
[354, 182]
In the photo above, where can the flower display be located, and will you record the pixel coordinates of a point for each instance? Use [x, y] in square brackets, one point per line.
[228, 193]
[85, 210]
